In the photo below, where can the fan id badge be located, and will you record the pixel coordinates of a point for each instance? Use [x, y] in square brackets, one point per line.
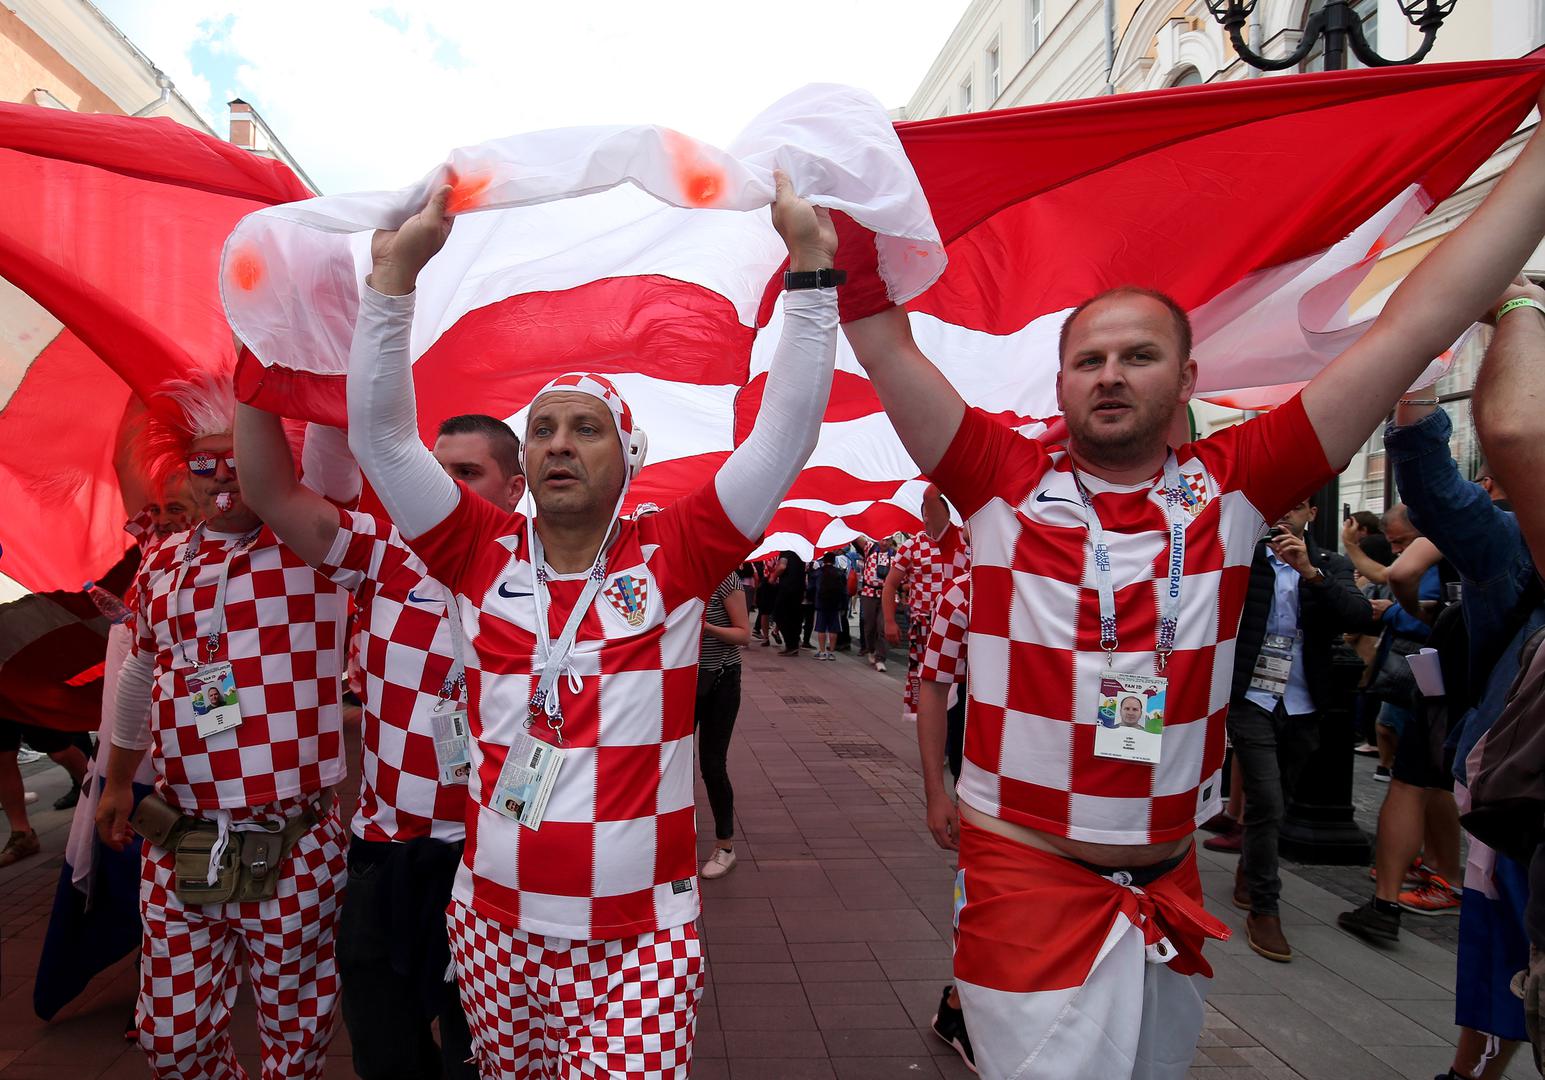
[526, 781]
[213, 690]
[453, 750]
[1129, 717]
[1274, 665]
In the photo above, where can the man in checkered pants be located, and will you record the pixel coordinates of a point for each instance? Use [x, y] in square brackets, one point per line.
[228, 601]
[934, 556]
[409, 829]
[572, 913]
[1111, 568]
[871, 582]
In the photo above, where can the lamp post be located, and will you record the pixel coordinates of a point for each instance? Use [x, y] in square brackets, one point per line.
[1319, 825]
[1338, 24]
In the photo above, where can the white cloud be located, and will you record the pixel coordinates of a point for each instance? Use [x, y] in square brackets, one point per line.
[371, 94]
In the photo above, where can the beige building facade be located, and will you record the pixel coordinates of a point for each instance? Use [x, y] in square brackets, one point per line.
[1009, 53]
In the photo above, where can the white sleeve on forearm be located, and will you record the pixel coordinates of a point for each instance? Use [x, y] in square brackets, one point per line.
[131, 716]
[327, 466]
[758, 474]
[383, 418]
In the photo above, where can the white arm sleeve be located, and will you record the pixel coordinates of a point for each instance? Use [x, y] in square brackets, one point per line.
[758, 474]
[327, 466]
[383, 418]
[131, 717]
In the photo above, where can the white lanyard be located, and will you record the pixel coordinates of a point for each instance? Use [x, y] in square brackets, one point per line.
[190, 552]
[553, 659]
[1169, 596]
[456, 678]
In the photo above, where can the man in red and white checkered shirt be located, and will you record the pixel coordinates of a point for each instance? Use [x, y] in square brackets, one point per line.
[572, 914]
[922, 566]
[871, 583]
[411, 822]
[228, 596]
[1116, 568]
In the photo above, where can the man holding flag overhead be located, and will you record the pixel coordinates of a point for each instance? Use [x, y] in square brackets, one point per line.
[572, 915]
[1116, 566]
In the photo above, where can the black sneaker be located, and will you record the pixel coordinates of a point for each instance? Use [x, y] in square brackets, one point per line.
[1370, 923]
[949, 1024]
[68, 800]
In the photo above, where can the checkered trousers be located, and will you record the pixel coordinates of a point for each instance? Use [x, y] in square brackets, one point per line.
[188, 960]
[284, 636]
[405, 654]
[546, 1008]
[944, 656]
[1035, 625]
[615, 853]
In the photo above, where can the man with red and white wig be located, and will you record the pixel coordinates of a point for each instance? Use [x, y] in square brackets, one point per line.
[233, 685]
[1111, 567]
[572, 914]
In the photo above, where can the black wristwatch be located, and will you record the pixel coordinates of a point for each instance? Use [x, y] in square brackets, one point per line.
[813, 279]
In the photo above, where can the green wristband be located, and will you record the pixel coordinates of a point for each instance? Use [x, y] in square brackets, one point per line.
[1520, 302]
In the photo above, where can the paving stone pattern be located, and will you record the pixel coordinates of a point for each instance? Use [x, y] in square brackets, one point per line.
[828, 944]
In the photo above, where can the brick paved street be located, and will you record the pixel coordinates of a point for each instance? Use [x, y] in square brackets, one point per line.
[828, 944]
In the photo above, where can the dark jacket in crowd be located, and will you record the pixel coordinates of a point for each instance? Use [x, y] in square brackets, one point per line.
[1326, 610]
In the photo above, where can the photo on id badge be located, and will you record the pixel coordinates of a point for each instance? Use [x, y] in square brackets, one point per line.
[1130, 718]
[212, 689]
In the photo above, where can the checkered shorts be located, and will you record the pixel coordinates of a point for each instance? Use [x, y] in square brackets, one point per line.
[187, 966]
[556, 1009]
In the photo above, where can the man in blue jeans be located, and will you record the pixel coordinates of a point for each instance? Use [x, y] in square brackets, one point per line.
[1471, 524]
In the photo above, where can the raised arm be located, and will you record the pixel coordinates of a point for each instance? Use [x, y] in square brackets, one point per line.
[1361, 561]
[758, 474]
[1448, 290]
[299, 516]
[383, 416]
[1405, 574]
[923, 407]
[1509, 411]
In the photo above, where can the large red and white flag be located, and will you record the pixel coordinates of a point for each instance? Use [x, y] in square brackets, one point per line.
[110, 234]
[1258, 204]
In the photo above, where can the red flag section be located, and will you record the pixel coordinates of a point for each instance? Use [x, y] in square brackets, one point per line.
[110, 236]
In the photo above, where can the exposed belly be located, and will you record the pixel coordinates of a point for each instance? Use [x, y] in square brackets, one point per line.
[1115, 856]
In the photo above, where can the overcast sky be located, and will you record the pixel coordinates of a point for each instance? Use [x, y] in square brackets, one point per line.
[370, 94]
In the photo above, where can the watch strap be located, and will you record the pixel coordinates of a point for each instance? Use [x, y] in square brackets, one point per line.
[825, 278]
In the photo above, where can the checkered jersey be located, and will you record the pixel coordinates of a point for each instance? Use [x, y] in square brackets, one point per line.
[614, 855]
[877, 564]
[1034, 634]
[944, 654]
[405, 654]
[284, 627]
[929, 565]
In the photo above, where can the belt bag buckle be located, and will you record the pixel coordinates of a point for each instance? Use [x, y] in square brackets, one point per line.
[262, 853]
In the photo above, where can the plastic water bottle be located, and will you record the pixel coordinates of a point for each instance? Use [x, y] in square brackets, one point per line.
[109, 605]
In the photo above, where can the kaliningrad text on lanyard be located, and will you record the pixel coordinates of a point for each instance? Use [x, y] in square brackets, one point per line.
[1169, 596]
[190, 552]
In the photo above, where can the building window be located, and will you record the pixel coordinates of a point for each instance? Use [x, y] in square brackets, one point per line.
[966, 102]
[994, 72]
[1035, 23]
[1186, 76]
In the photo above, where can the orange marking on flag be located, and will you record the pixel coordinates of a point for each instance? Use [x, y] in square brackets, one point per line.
[467, 192]
[246, 269]
[701, 181]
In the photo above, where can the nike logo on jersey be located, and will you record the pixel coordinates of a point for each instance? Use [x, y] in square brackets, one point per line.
[504, 592]
[1041, 496]
[417, 599]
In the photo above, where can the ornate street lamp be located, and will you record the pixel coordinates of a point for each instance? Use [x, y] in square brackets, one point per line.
[1319, 825]
[1339, 25]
